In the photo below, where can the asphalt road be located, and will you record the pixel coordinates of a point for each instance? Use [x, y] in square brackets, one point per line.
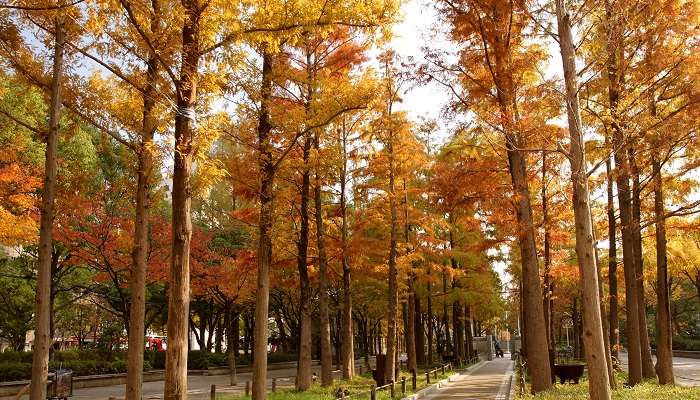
[686, 370]
[198, 387]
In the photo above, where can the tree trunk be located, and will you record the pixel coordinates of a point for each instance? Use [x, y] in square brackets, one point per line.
[623, 196]
[303, 381]
[411, 329]
[231, 346]
[264, 256]
[326, 350]
[42, 310]
[179, 289]
[457, 330]
[664, 345]
[446, 325]
[599, 387]
[468, 330]
[411, 320]
[612, 265]
[137, 284]
[348, 362]
[647, 363]
[547, 253]
[535, 330]
[430, 321]
[547, 299]
[419, 331]
[391, 348]
[603, 311]
[219, 339]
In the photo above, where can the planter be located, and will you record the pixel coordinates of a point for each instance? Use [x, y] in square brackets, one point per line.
[568, 372]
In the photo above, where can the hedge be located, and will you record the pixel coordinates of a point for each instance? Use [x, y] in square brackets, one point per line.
[17, 365]
[17, 371]
[686, 343]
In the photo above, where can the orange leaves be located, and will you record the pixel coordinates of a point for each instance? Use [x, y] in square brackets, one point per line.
[18, 203]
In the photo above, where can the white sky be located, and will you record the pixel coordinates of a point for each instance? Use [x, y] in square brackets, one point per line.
[409, 36]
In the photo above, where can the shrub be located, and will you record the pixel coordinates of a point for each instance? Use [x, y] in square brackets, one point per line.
[218, 359]
[67, 355]
[281, 357]
[11, 356]
[159, 360]
[686, 343]
[198, 359]
[15, 371]
[118, 366]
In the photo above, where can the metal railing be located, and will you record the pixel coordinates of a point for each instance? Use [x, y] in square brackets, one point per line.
[392, 386]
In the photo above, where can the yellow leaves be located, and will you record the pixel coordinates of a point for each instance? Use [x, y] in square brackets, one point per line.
[17, 229]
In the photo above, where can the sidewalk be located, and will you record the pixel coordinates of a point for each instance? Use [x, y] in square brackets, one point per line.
[490, 380]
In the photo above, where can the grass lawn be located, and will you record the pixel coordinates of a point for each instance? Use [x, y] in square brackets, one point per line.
[646, 391]
[359, 384]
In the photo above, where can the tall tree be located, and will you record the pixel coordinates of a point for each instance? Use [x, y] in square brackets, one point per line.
[599, 386]
[615, 53]
[391, 343]
[326, 354]
[264, 255]
[42, 314]
[495, 31]
[348, 356]
[664, 353]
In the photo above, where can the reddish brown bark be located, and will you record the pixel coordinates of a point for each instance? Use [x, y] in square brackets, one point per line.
[264, 255]
[599, 386]
[42, 310]
[664, 345]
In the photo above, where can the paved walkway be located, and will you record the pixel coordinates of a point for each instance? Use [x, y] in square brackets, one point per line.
[489, 380]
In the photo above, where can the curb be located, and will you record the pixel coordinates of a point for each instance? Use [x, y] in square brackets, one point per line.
[506, 387]
[433, 388]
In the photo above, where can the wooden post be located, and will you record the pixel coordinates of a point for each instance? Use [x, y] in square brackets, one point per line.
[373, 393]
[443, 370]
[212, 394]
[274, 384]
[414, 380]
[247, 388]
[435, 373]
[427, 377]
[403, 385]
[393, 389]
[360, 370]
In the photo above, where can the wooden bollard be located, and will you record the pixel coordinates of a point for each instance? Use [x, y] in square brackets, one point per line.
[414, 380]
[443, 370]
[435, 373]
[373, 393]
[274, 384]
[403, 385]
[393, 389]
[360, 369]
[212, 393]
[247, 388]
[427, 377]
